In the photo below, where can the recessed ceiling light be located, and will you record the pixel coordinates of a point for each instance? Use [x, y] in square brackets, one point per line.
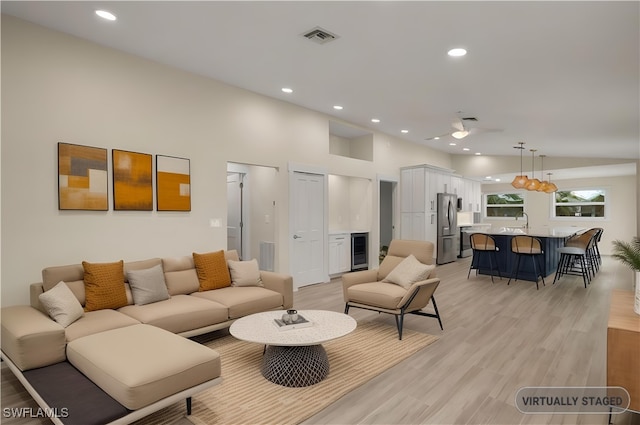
[106, 15]
[338, 107]
[287, 90]
[375, 120]
[404, 131]
[457, 52]
[436, 138]
[478, 153]
[497, 180]
[452, 144]
[488, 177]
[465, 149]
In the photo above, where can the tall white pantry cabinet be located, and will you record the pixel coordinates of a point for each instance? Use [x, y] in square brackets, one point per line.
[419, 187]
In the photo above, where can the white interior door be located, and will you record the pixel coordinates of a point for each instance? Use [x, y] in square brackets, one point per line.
[307, 231]
[234, 212]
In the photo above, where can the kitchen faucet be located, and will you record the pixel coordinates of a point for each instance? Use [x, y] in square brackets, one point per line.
[523, 214]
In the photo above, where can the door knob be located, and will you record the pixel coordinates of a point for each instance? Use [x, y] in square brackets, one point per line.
[296, 237]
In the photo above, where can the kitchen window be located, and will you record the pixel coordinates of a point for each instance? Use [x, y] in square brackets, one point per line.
[580, 203]
[503, 205]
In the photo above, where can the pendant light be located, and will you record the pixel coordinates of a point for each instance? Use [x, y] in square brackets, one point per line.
[533, 183]
[519, 182]
[550, 187]
[543, 183]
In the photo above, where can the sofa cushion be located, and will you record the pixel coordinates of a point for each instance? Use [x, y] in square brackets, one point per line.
[142, 364]
[147, 285]
[72, 275]
[180, 275]
[244, 300]
[30, 338]
[377, 294]
[409, 271]
[212, 270]
[244, 273]
[104, 285]
[61, 304]
[389, 263]
[98, 321]
[180, 313]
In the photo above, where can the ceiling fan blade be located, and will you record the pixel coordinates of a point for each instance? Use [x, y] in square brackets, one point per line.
[477, 130]
[438, 137]
[458, 125]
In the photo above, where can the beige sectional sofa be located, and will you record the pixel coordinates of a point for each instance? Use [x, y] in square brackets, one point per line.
[32, 341]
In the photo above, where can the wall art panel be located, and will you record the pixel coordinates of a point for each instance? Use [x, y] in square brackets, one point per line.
[132, 181]
[173, 184]
[82, 178]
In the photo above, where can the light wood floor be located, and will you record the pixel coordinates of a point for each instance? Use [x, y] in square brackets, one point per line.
[496, 339]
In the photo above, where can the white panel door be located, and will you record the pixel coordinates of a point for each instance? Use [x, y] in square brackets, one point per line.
[308, 229]
[234, 212]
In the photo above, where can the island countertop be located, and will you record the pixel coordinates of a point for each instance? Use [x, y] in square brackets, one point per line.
[540, 232]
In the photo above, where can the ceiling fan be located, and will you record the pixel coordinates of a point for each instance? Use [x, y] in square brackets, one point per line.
[460, 131]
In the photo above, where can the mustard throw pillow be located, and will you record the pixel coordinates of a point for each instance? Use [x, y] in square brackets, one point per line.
[212, 270]
[104, 285]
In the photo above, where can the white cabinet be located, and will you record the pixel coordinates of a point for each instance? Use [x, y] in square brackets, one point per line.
[431, 190]
[477, 197]
[471, 193]
[406, 191]
[419, 195]
[412, 182]
[339, 253]
[412, 226]
[456, 186]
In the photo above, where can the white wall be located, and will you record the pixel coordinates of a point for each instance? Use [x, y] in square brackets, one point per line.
[350, 201]
[59, 88]
[619, 224]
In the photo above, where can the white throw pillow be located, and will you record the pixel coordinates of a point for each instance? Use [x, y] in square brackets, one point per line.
[148, 285]
[245, 273]
[61, 304]
[408, 272]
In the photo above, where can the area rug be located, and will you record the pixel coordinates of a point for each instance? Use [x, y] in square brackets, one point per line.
[245, 397]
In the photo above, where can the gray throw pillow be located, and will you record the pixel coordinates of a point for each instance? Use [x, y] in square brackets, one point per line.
[148, 285]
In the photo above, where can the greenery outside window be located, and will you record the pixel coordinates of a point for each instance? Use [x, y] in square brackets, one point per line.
[504, 205]
[585, 203]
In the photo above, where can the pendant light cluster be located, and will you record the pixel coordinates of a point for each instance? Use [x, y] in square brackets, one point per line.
[521, 181]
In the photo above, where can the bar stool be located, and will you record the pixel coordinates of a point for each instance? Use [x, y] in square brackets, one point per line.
[579, 257]
[530, 247]
[483, 245]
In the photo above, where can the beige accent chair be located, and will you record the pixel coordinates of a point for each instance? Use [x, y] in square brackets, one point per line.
[365, 289]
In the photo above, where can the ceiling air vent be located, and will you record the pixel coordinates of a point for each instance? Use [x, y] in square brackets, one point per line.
[320, 35]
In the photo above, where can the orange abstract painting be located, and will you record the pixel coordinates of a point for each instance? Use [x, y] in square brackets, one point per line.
[82, 178]
[173, 184]
[132, 181]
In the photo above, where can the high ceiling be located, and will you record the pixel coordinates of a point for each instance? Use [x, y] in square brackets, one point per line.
[561, 76]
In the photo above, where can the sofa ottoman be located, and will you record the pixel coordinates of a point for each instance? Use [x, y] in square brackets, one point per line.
[141, 364]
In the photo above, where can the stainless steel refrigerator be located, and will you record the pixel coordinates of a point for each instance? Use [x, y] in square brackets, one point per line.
[447, 235]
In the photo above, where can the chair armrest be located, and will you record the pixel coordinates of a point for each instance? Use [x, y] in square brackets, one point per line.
[279, 282]
[426, 289]
[30, 338]
[355, 278]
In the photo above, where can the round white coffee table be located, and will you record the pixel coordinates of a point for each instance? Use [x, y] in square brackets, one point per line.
[294, 357]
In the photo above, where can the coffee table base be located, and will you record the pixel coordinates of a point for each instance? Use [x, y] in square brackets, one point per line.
[297, 366]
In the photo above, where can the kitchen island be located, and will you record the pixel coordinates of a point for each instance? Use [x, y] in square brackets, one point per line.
[551, 240]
